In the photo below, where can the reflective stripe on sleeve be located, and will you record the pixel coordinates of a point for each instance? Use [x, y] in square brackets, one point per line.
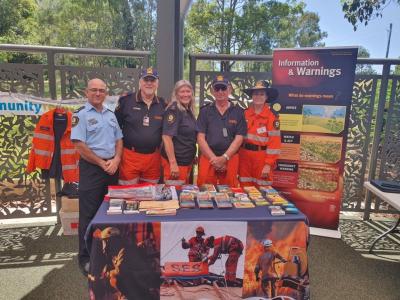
[263, 182]
[68, 151]
[68, 167]
[43, 136]
[174, 182]
[149, 180]
[274, 133]
[126, 182]
[257, 138]
[42, 152]
[273, 151]
[246, 179]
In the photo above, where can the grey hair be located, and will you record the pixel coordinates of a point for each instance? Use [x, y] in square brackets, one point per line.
[174, 96]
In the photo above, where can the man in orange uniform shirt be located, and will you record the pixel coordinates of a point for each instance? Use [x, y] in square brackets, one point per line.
[262, 144]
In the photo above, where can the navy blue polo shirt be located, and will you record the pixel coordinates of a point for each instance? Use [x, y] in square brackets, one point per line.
[181, 126]
[212, 124]
[141, 126]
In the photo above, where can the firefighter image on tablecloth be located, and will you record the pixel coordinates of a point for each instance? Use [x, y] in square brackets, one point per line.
[123, 269]
[227, 245]
[198, 250]
[266, 264]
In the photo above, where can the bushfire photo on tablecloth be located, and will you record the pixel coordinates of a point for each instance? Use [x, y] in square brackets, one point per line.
[127, 262]
[276, 261]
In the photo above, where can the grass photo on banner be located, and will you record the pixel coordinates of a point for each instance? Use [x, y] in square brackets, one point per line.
[323, 118]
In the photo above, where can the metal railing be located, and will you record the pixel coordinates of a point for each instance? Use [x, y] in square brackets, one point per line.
[55, 76]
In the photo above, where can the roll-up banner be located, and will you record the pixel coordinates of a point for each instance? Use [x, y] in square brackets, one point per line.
[315, 90]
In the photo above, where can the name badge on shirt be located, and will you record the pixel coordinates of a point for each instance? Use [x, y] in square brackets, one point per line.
[224, 132]
[146, 121]
[261, 130]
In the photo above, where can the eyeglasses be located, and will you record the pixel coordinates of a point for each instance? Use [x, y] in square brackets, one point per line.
[101, 91]
[149, 79]
[218, 88]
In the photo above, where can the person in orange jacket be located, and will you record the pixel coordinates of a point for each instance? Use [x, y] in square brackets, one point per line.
[198, 249]
[262, 145]
[226, 245]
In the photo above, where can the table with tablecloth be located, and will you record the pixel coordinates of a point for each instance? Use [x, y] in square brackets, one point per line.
[156, 257]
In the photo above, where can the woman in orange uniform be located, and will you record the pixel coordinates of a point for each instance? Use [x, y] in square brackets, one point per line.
[179, 135]
[261, 147]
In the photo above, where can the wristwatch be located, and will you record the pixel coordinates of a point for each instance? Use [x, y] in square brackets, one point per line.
[226, 156]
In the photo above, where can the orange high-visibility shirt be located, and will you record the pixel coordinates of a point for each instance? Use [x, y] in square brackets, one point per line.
[263, 129]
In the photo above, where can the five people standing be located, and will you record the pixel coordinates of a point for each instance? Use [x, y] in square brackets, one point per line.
[145, 134]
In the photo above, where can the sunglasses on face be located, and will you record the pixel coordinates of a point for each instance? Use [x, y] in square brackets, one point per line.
[149, 79]
[218, 88]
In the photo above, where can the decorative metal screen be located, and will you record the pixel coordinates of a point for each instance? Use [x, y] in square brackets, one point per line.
[20, 194]
[28, 195]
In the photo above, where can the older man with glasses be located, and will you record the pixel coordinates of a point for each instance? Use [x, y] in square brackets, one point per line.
[222, 127]
[98, 139]
[140, 116]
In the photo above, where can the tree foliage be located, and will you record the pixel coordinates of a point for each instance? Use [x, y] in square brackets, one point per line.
[17, 21]
[363, 11]
[250, 26]
[364, 69]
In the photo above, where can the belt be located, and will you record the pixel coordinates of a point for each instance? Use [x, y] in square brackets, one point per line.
[218, 152]
[140, 150]
[253, 147]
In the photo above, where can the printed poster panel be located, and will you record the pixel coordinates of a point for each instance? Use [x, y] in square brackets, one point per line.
[127, 262]
[315, 90]
[276, 262]
[13, 104]
[202, 260]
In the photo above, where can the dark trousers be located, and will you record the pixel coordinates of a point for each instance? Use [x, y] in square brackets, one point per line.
[93, 186]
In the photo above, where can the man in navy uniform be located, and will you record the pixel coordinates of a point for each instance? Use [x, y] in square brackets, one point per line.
[140, 116]
[222, 127]
[98, 139]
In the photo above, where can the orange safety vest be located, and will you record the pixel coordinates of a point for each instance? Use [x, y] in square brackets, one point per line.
[43, 148]
[263, 129]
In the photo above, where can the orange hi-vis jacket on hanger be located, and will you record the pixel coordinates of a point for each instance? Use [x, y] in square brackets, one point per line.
[43, 148]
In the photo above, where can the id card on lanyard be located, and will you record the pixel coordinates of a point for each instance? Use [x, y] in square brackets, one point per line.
[146, 121]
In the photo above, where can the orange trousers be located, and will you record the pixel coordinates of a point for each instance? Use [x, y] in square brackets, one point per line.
[251, 164]
[138, 168]
[207, 173]
[184, 173]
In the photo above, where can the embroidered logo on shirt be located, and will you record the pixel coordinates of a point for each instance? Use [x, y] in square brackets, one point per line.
[92, 121]
[171, 118]
[75, 121]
